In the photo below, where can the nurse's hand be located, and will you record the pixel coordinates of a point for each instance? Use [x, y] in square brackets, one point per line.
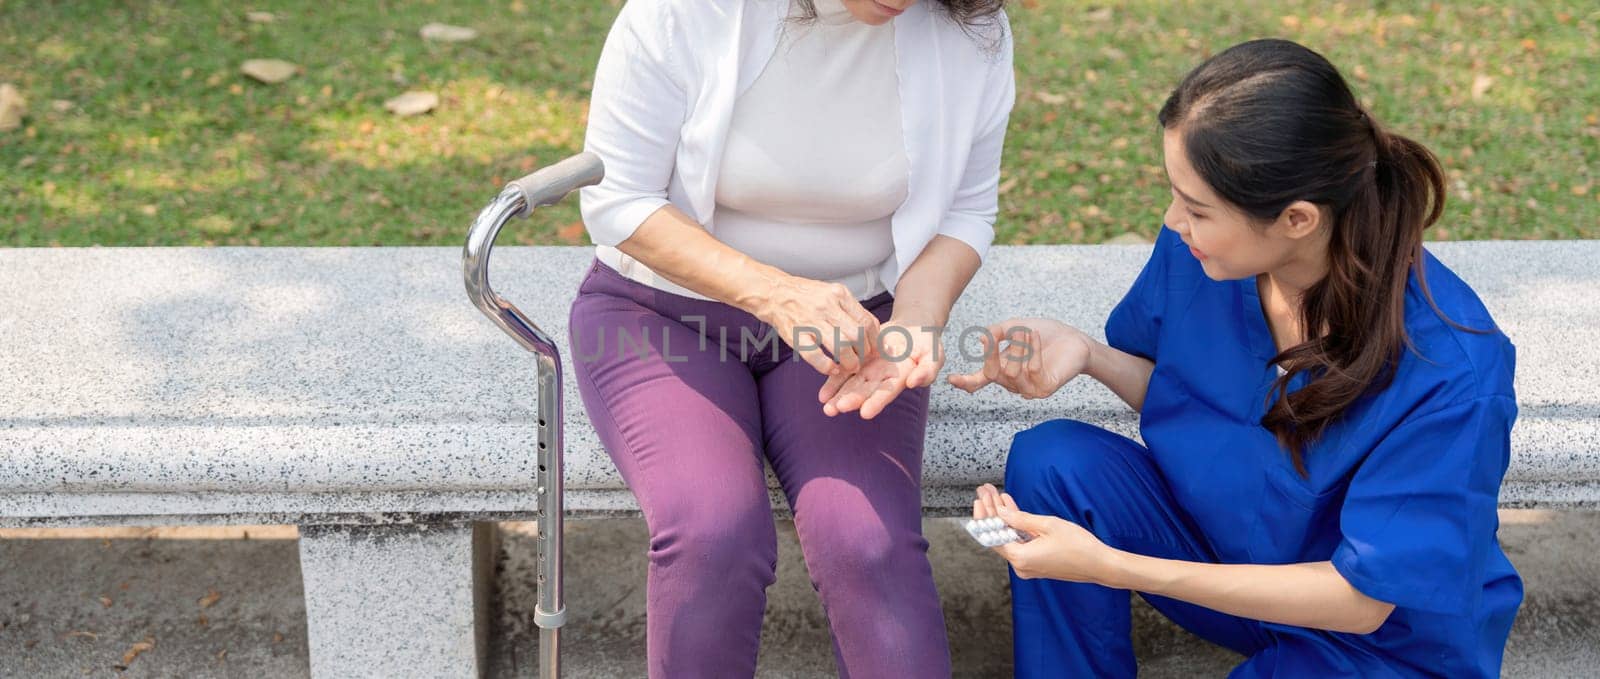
[1039, 357]
[1057, 549]
[908, 356]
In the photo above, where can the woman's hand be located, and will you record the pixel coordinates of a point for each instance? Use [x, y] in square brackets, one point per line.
[1057, 549]
[1041, 356]
[811, 316]
[907, 356]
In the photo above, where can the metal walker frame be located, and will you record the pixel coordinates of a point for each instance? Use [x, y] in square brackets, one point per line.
[520, 198]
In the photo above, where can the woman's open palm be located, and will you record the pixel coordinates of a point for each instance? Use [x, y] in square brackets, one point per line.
[1032, 357]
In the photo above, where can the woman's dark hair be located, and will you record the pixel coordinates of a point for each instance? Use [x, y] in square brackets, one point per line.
[976, 16]
[1270, 122]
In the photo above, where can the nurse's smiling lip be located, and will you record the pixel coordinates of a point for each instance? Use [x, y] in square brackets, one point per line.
[887, 10]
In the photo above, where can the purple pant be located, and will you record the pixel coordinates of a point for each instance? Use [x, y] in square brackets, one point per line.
[689, 424]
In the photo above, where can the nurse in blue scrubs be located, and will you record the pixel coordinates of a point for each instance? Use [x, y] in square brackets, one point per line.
[1326, 409]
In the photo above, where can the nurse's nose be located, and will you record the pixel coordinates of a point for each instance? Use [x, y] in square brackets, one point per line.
[1176, 219]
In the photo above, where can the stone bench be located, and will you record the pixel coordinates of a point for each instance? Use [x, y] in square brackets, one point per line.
[356, 393]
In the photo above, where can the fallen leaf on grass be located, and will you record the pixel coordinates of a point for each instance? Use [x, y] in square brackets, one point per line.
[210, 598]
[571, 233]
[12, 106]
[1050, 98]
[105, 601]
[214, 225]
[412, 103]
[447, 33]
[270, 71]
[1127, 239]
[1480, 85]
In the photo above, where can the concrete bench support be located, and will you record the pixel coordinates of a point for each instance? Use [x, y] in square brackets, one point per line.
[407, 600]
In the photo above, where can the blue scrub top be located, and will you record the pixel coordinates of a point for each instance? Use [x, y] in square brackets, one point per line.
[1402, 491]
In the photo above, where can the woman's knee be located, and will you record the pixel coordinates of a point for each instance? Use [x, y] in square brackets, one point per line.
[1053, 456]
[853, 539]
[714, 539]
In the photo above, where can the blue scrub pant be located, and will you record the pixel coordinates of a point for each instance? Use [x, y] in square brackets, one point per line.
[1110, 485]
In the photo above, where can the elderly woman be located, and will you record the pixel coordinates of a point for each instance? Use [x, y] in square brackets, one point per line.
[786, 181]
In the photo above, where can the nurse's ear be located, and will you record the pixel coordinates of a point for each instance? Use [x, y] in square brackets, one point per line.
[1299, 220]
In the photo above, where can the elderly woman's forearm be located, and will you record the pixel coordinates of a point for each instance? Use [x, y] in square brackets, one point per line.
[679, 249]
[932, 284]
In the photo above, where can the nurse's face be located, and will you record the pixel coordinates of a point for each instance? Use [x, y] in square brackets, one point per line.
[877, 12]
[1229, 243]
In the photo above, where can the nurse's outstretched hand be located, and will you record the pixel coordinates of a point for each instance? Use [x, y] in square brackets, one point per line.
[1032, 357]
[1057, 549]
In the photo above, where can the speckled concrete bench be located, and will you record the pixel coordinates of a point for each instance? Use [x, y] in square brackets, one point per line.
[356, 393]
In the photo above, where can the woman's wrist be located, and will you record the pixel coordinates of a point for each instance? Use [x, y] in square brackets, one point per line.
[1124, 570]
[916, 315]
[1098, 357]
[759, 289]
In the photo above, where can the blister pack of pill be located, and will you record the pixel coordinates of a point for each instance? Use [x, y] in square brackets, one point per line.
[992, 532]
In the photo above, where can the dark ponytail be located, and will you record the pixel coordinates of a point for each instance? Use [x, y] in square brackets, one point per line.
[1269, 122]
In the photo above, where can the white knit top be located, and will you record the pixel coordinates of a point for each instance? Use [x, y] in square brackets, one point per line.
[815, 161]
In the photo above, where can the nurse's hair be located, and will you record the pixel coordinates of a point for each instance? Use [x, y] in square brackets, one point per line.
[1270, 122]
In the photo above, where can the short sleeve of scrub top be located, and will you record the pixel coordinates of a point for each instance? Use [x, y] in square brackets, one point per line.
[1420, 511]
[1135, 324]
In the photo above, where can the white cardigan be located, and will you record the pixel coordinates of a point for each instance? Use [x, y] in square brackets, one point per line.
[671, 70]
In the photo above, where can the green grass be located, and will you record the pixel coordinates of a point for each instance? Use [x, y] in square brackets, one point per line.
[162, 142]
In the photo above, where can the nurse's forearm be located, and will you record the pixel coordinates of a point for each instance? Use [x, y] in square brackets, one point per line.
[934, 281]
[681, 250]
[1304, 594]
[1127, 376]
